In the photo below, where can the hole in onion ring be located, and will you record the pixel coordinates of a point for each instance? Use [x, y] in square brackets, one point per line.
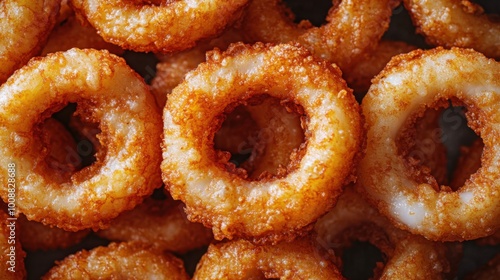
[361, 255]
[363, 250]
[432, 143]
[313, 11]
[263, 136]
[69, 142]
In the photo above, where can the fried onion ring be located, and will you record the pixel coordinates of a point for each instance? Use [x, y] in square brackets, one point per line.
[161, 223]
[25, 28]
[119, 261]
[301, 259]
[466, 78]
[353, 28]
[456, 23]
[407, 256]
[167, 27]
[220, 198]
[107, 92]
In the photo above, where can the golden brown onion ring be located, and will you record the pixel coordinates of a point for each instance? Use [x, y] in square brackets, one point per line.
[466, 78]
[166, 27]
[456, 23]
[301, 259]
[407, 256]
[25, 27]
[275, 208]
[353, 28]
[12, 255]
[107, 92]
[160, 223]
[119, 261]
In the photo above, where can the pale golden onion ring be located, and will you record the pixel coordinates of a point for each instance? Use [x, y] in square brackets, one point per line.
[240, 259]
[275, 208]
[402, 89]
[25, 27]
[119, 261]
[407, 256]
[107, 92]
[166, 27]
[456, 23]
[353, 28]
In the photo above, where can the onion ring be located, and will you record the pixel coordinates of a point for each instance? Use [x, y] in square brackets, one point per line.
[26, 26]
[353, 28]
[227, 202]
[467, 78]
[168, 27]
[107, 92]
[453, 23]
[119, 261]
[301, 259]
[161, 223]
[12, 255]
[407, 256]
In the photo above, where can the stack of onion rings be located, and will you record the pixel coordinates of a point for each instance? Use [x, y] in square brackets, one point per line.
[107, 92]
[228, 203]
[167, 27]
[466, 78]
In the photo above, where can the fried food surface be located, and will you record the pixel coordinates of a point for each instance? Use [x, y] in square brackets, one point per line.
[271, 209]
